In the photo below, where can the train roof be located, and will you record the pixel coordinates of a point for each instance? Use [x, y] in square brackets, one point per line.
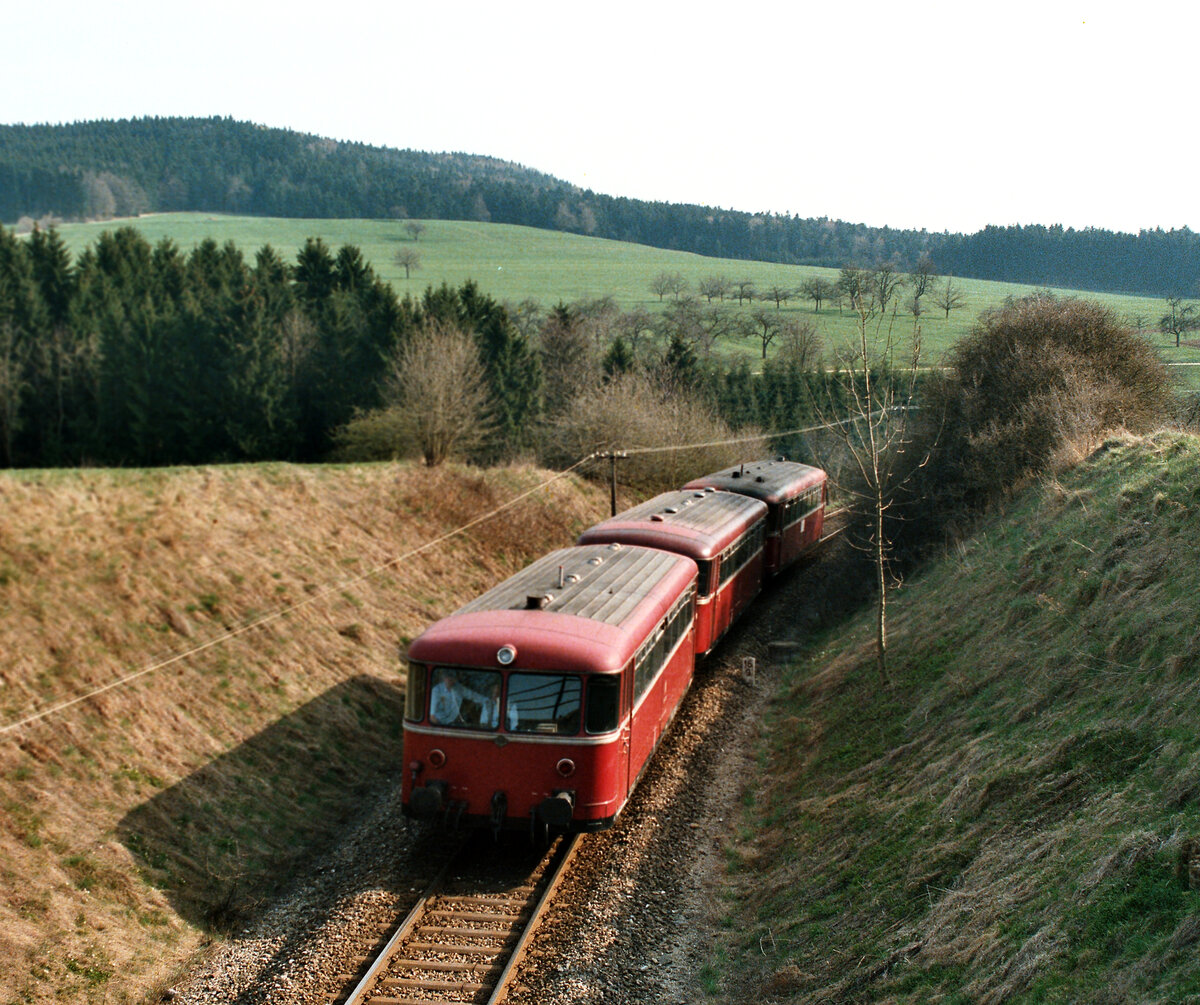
[773, 481]
[698, 523]
[611, 596]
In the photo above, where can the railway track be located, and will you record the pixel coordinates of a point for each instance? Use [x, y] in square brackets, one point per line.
[468, 932]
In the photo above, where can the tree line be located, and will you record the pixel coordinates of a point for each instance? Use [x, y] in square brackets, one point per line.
[133, 354]
[145, 355]
[104, 169]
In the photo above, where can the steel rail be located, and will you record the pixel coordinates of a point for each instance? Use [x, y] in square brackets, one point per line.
[500, 992]
[386, 975]
[402, 930]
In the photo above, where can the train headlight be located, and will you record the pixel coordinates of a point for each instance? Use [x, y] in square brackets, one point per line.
[437, 757]
[505, 655]
[565, 767]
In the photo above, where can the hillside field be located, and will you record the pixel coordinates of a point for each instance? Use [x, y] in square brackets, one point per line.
[1017, 819]
[514, 263]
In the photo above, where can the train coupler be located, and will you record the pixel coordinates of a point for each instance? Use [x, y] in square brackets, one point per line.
[498, 813]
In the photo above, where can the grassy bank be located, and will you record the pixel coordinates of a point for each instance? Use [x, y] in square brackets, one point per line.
[155, 816]
[1018, 819]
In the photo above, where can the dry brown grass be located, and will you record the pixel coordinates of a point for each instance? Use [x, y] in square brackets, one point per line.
[128, 835]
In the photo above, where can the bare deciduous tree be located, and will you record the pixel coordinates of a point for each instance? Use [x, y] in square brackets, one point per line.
[669, 282]
[766, 325]
[948, 298]
[437, 398]
[854, 285]
[634, 409]
[634, 326]
[714, 288]
[887, 282]
[415, 229]
[922, 276]
[777, 294]
[598, 317]
[875, 433]
[1180, 317]
[817, 290]
[700, 326]
[408, 259]
[525, 316]
[799, 344]
[744, 290]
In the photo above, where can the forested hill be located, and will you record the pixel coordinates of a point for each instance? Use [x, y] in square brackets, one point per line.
[98, 170]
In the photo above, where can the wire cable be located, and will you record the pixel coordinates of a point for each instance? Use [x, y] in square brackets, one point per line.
[284, 611]
[748, 439]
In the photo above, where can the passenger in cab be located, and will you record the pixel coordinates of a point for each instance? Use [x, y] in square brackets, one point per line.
[445, 701]
[489, 711]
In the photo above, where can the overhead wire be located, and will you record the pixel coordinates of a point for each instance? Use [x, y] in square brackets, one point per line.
[282, 612]
[739, 439]
[319, 595]
[773, 434]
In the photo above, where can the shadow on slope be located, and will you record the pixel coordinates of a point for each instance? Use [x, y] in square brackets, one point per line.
[222, 840]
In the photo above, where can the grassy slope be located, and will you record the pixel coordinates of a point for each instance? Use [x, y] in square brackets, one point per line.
[143, 821]
[1011, 822]
[514, 263]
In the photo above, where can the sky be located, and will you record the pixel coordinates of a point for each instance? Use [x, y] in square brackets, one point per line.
[926, 115]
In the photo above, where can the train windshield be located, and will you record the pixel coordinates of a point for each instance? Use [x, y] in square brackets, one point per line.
[465, 698]
[544, 703]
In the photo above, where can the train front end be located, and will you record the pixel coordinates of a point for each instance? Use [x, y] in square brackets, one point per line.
[517, 709]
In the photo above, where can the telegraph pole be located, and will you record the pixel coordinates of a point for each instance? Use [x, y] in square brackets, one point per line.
[613, 456]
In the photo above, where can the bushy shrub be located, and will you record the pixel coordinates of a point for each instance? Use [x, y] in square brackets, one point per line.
[633, 411]
[1036, 383]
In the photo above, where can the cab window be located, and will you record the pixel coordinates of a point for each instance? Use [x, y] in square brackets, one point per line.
[465, 698]
[544, 703]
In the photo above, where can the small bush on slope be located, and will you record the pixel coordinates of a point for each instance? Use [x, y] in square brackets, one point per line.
[1035, 383]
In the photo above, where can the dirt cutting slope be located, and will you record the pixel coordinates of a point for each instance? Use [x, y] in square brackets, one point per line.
[144, 821]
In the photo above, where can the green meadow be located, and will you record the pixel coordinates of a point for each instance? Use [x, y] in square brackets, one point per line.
[518, 263]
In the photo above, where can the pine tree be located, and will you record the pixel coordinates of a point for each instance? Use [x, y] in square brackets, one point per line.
[619, 359]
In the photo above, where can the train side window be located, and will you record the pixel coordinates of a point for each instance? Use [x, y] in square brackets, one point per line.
[544, 703]
[414, 692]
[704, 580]
[652, 656]
[603, 702]
[734, 560]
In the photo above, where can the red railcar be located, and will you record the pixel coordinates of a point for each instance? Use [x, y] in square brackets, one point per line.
[721, 532]
[539, 704]
[795, 495]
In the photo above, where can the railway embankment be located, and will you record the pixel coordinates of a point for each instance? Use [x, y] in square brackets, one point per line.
[254, 615]
[1017, 817]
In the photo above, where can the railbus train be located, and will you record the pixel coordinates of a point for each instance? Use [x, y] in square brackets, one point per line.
[539, 704]
[796, 496]
[721, 532]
